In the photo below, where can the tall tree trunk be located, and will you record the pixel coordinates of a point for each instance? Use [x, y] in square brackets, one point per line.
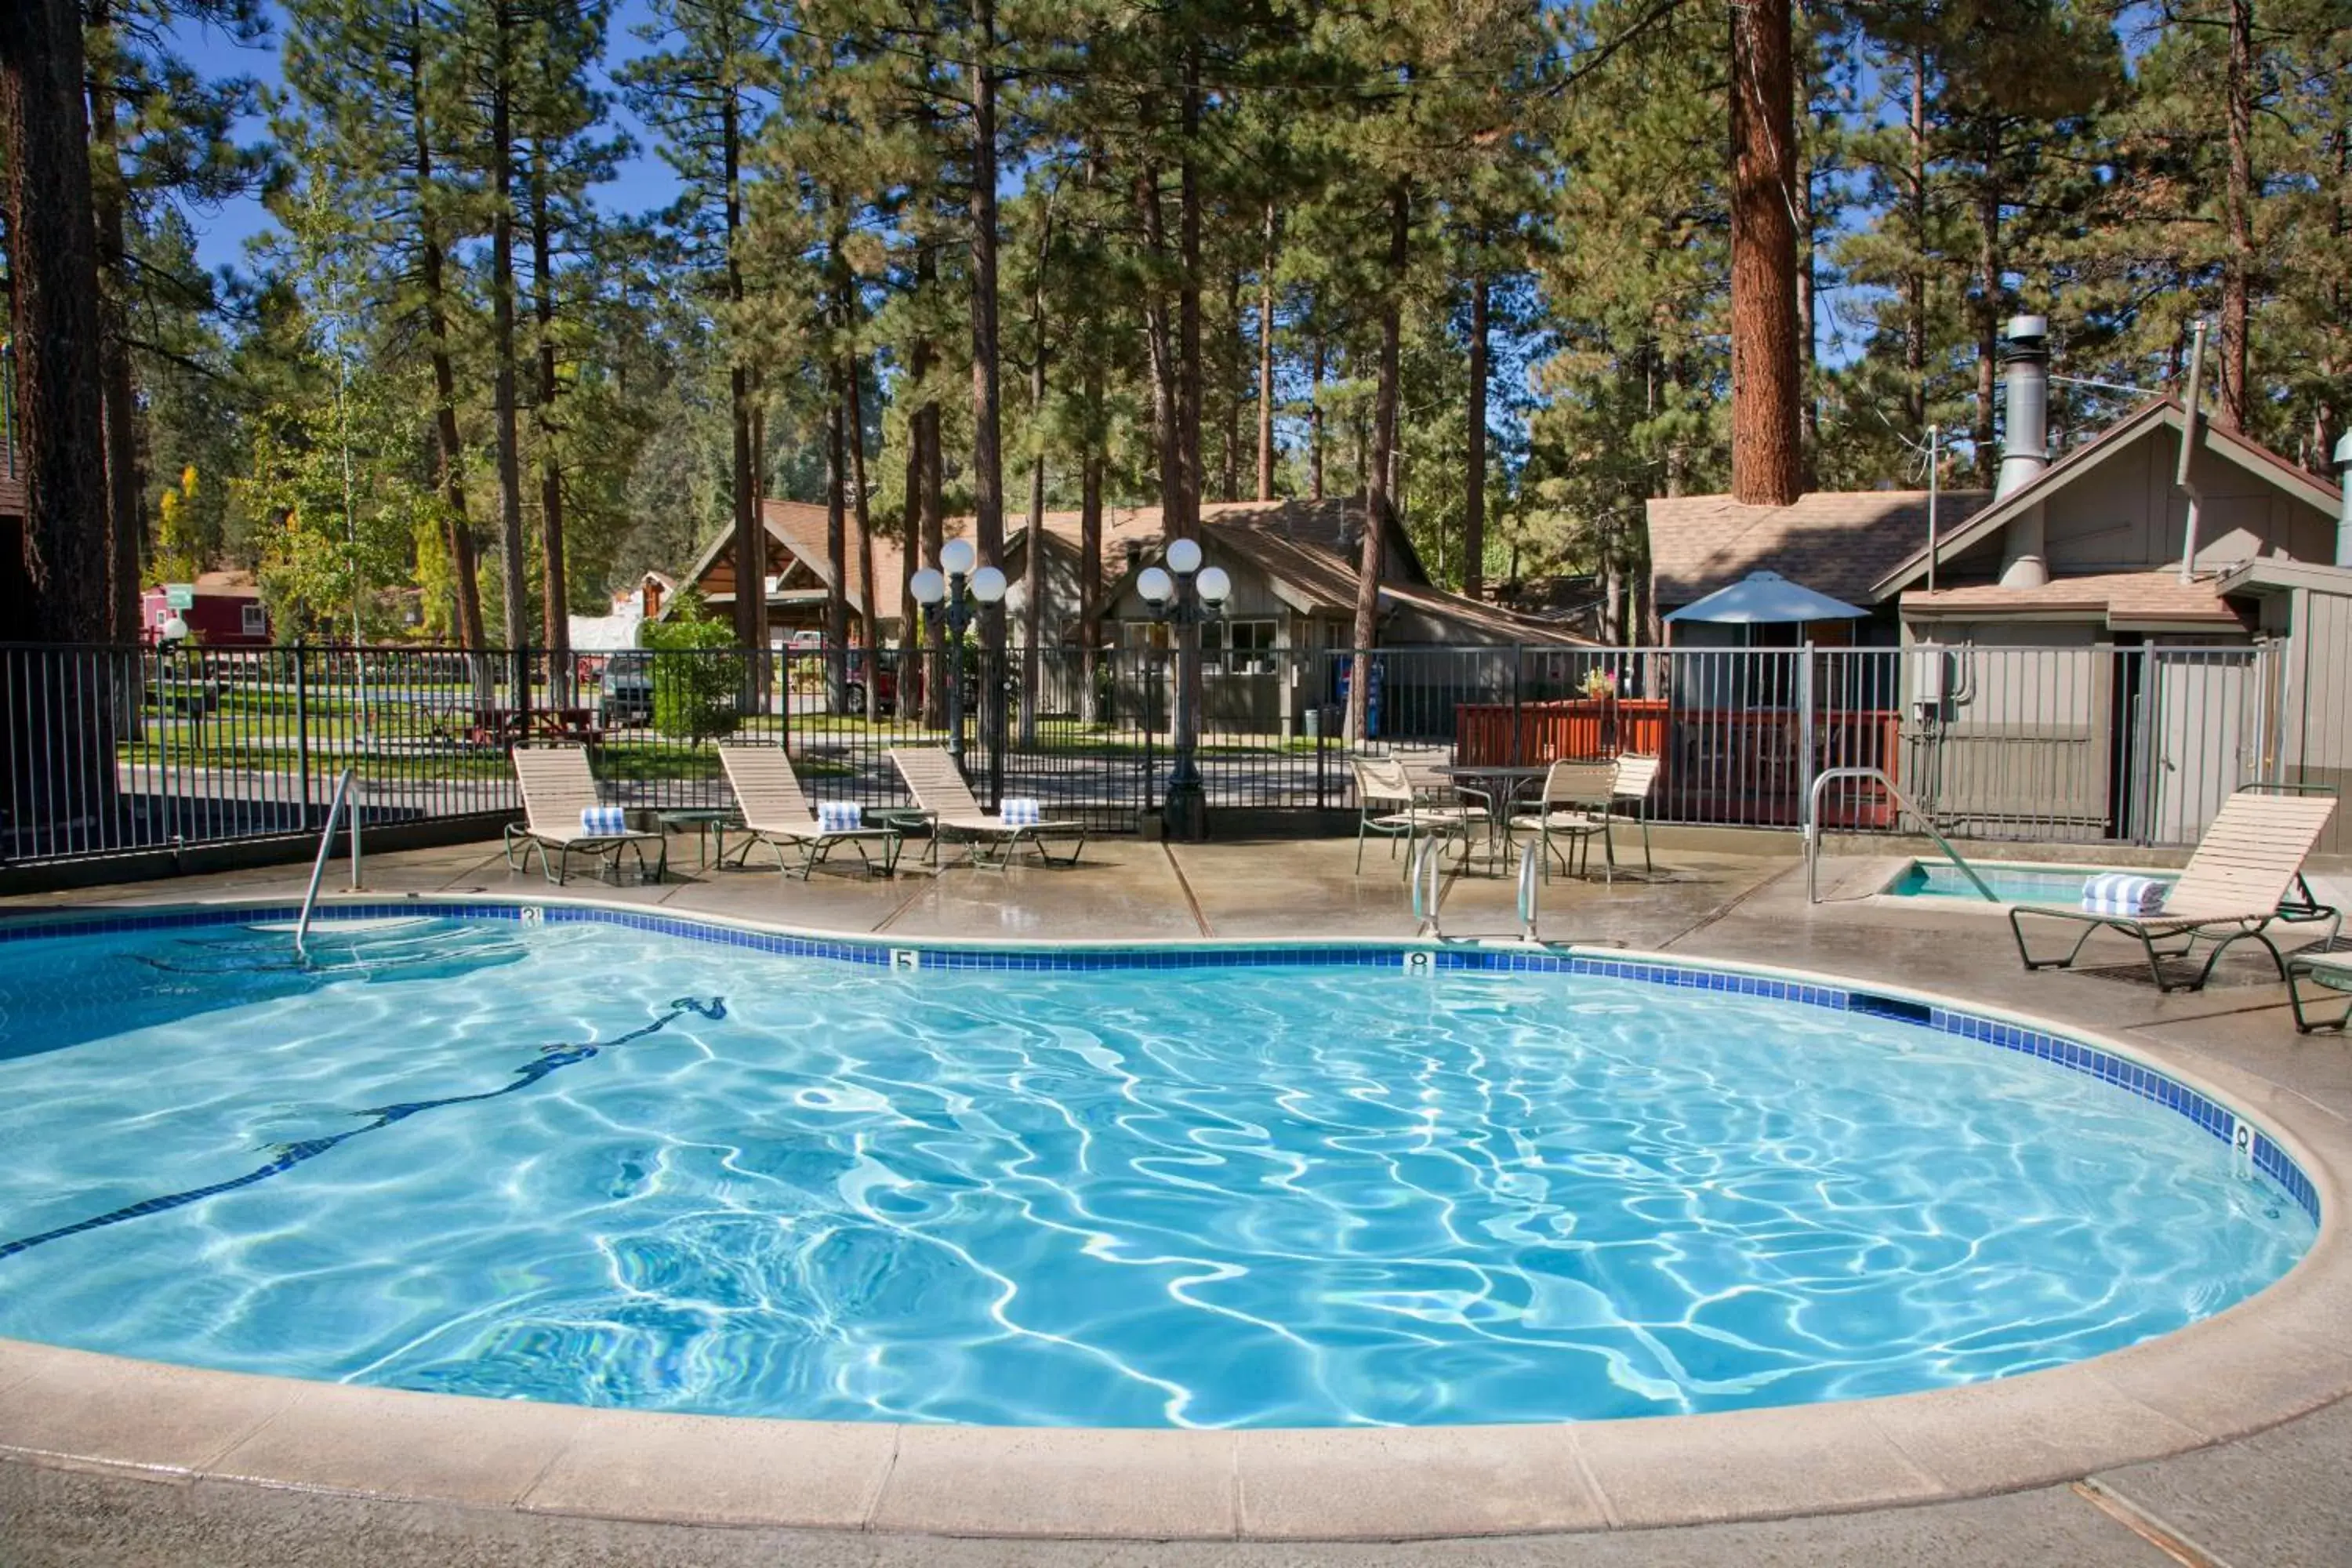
[1033, 575]
[53, 578]
[854, 415]
[516, 591]
[1185, 731]
[1988, 321]
[1915, 281]
[1809, 409]
[1766, 452]
[1160, 345]
[1229, 486]
[1377, 498]
[1090, 560]
[1473, 478]
[987, 397]
[933, 458]
[117, 396]
[750, 545]
[836, 548]
[2238, 261]
[464, 564]
[912, 678]
[1315, 422]
[1265, 356]
[557, 604]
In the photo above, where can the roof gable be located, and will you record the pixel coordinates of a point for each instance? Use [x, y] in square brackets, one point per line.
[1838, 542]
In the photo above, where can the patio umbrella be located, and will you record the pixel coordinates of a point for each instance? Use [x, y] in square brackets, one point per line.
[1766, 598]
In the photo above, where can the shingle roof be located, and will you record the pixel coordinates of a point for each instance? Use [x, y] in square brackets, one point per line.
[2126, 598]
[1838, 542]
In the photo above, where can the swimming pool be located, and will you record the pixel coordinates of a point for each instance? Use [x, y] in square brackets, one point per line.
[2011, 883]
[578, 1158]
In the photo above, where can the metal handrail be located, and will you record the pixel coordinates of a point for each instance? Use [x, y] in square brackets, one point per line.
[1814, 830]
[318, 866]
[1427, 872]
[1530, 878]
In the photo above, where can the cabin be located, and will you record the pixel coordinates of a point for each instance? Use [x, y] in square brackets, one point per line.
[2083, 652]
[224, 610]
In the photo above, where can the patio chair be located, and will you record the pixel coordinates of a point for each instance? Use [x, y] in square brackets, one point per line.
[1632, 781]
[2329, 972]
[1390, 803]
[1575, 805]
[940, 794]
[778, 815]
[2247, 873]
[557, 789]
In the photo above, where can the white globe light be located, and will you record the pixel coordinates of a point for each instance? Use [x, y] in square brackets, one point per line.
[1185, 556]
[1215, 586]
[174, 629]
[987, 584]
[929, 587]
[958, 556]
[1156, 586]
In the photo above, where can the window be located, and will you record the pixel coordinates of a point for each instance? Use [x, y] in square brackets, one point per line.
[257, 619]
[1248, 646]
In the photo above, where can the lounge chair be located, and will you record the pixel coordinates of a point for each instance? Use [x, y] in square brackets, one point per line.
[2247, 874]
[777, 813]
[1575, 805]
[1390, 803]
[2329, 972]
[557, 787]
[940, 794]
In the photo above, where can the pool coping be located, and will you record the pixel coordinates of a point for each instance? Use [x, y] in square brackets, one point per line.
[2276, 1355]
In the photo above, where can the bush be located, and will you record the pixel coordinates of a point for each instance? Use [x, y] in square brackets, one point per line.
[698, 677]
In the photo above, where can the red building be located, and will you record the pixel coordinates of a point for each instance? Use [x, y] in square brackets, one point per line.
[225, 611]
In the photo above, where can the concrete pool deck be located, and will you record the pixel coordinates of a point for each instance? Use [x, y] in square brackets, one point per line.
[2232, 1436]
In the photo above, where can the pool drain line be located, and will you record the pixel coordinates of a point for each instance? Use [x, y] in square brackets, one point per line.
[2146, 1525]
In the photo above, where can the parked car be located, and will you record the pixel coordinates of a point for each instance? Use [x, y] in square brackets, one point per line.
[624, 696]
[886, 683]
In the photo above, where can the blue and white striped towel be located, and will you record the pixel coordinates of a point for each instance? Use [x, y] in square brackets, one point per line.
[839, 816]
[1021, 811]
[2120, 893]
[603, 819]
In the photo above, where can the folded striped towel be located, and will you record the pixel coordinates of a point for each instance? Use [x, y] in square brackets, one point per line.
[603, 819]
[839, 816]
[2120, 893]
[1021, 811]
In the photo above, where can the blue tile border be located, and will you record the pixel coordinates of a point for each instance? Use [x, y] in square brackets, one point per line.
[2122, 1072]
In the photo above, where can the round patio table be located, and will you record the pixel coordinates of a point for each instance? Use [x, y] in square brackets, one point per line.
[1500, 787]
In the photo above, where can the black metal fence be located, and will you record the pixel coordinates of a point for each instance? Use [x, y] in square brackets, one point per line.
[111, 751]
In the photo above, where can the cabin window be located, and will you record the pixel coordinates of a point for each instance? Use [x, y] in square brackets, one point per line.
[257, 619]
[1240, 648]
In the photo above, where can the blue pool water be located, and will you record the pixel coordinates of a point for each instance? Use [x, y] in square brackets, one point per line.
[576, 1162]
[2010, 884]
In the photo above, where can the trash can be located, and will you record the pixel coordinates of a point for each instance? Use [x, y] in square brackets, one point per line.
[1315, 723]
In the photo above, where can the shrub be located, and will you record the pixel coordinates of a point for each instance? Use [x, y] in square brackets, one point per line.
[698, 676]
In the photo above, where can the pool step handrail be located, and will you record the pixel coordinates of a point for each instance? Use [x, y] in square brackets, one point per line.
[1813, 829]
[1428, 888]
[318, 866]
[1530, 880]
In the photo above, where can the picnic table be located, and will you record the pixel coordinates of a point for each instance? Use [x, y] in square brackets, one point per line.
[502, 728]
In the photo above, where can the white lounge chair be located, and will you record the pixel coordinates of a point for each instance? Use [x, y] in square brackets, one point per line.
[2247, 874]
[1390, 803]
[778, 814]
[557, 786]
[940, 794]
[1632, 779]
[1575, 806]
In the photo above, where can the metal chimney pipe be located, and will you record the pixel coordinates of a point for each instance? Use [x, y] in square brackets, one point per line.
[2344, 505]
[2025, 434]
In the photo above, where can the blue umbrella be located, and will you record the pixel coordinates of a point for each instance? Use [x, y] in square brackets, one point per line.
[1766, 598]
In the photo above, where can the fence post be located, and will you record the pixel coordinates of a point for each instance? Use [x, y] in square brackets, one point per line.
[1518, 667]
[1805, 722]
[302, 732]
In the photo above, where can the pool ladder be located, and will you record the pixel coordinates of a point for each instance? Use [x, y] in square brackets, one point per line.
[1813, 829]
[326, 846]
[1429, 889]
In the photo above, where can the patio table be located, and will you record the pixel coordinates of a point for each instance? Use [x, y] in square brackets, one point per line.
[1500, 787]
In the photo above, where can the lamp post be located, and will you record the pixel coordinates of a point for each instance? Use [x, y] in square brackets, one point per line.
[1182, 595]
[956, 591]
